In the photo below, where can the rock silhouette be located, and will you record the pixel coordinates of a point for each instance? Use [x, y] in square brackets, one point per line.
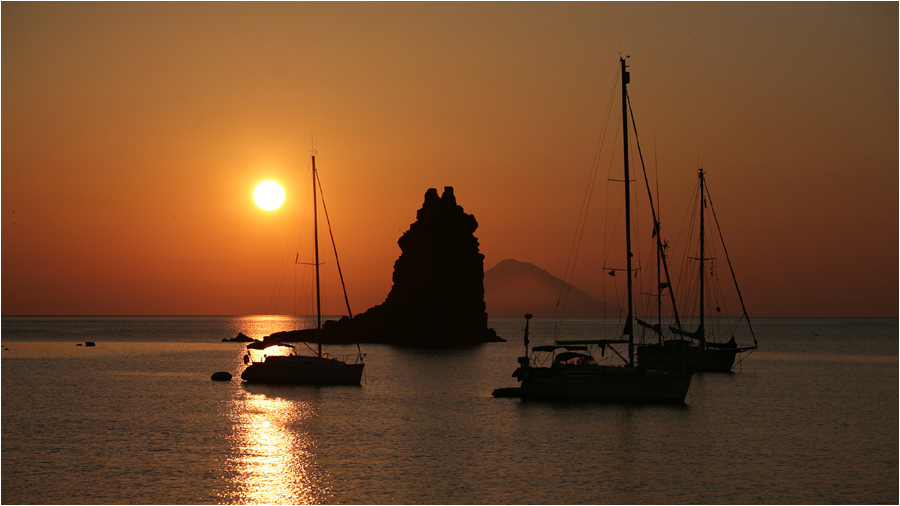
[437, 298]
[239, 338]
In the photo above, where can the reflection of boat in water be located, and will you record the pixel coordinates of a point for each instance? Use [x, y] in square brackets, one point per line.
[574, 373]
[698, 350]
[273, 361]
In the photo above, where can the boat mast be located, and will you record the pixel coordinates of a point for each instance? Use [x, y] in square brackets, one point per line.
[527, 319]
[629, 326]
[316, 242]
[701, 331]
[659, 284]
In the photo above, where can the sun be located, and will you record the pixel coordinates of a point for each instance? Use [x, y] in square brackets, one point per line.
[268, 195]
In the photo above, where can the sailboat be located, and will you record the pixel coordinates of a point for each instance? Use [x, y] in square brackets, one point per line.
[267, 360]
[573, 372]
[697, 350]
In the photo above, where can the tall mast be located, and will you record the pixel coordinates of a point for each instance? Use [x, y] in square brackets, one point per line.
[316, 241]
[659, 284]
[701, 331]
[629, 326]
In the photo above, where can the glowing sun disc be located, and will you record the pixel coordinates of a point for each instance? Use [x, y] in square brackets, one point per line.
[268, 195]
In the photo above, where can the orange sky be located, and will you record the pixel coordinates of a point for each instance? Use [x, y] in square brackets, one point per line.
[133, 135]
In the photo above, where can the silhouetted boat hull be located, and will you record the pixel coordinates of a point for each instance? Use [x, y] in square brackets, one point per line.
[302, 369]
[574, 373]
[318, 369]
[675, 354]
[700, 352]
[603, 383]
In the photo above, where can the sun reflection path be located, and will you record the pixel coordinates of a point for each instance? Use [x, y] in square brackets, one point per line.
[272, 455]
[259, 326]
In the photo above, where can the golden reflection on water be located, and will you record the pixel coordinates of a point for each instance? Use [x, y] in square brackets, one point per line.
[259, 326]
[272, 455]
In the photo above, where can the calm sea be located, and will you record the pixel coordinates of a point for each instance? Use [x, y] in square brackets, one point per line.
[810, 418]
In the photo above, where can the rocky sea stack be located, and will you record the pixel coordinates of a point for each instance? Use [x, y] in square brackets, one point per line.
[438, 294]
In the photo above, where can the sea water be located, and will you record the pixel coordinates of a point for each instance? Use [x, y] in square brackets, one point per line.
[812, 417]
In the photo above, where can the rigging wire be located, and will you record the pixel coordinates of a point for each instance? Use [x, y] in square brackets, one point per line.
[568, 275]
[281, 272]
[297, 226]
[334, 246]
[731, 268]
[336, 260]
[687, 281]
[656, 222]
[303, 298]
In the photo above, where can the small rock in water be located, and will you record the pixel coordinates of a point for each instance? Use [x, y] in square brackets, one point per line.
[239, 338]
[507, 392]
[221, 376]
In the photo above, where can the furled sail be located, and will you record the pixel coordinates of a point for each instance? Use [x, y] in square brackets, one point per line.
[655, 327]
[699, 334]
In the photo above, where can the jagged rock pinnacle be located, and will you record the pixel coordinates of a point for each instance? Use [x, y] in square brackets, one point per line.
[437, 298]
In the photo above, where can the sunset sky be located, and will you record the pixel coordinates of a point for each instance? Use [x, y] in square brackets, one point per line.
[133, 135]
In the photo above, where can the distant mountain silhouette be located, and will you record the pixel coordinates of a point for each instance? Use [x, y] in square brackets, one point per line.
[513, 288]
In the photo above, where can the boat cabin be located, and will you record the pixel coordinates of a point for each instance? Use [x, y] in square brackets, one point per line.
[259, 351]
[570, 358]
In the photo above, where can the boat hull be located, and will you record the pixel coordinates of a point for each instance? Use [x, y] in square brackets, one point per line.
[603, 383]
[303, 370]
[663, 358]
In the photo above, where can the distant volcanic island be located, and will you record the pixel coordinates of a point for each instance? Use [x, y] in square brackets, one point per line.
[437, 298]
[513, 288]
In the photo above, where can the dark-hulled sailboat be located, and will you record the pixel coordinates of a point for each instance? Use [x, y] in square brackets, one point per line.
[573, 372]
[271, 366]
[698, 350]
